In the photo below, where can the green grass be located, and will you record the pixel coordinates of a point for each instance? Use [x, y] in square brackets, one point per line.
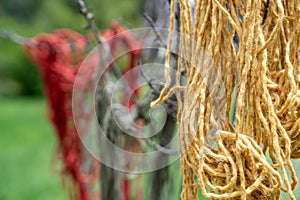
[27, 146]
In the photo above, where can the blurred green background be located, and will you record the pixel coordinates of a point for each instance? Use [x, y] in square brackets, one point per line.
[28, 166]
[28, 169]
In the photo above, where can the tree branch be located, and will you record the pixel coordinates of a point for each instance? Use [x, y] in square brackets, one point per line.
[6, 34]
[90, 19]
[150, 21]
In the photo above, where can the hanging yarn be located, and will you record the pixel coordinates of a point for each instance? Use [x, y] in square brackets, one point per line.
[58, 57]
[250, 157]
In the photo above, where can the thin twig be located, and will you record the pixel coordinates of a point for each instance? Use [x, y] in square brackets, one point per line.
[138, 134]
[150, 21]
[164, 150]
[90, 19]
[155, 91]
[6, 34]
[161, 149]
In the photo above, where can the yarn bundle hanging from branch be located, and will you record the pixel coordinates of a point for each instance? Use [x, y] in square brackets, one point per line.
[248, 157]
[58, 57]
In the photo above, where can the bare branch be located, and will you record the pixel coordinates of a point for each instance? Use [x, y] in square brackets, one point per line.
[156, 92]
[164, 150]
[150, 21]
[90, 19]
[6, 34]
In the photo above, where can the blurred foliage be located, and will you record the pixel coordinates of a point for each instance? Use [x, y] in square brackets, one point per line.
[32, 17]
[28, 169]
